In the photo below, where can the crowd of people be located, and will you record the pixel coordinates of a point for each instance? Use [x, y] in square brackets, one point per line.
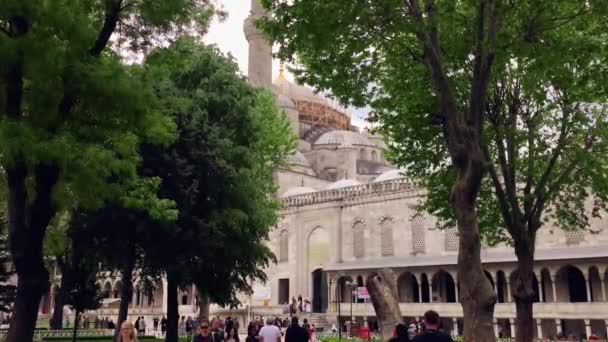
[85, 322]
[299, 306]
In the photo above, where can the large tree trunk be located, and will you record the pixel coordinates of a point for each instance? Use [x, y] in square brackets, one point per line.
[382, 289]
[476, 292]
[203, 307]
[523, 292]
[56, 321]
[75, 330]
[126, 294]
[172, 309]
[27, 226]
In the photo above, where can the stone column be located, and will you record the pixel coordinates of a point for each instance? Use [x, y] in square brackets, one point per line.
[558, 326]
[495, 321]
[553, 288]
[603, 284]
[455, 323]
[541, 298]
[588, 285]
[588, 327]
[431, 291]
[509, 299]
[420, 291]
[457, 292]
[512, 324]
[165, 296]
[539, 328]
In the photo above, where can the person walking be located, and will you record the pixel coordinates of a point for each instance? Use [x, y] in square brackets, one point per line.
[163, 325]
[295, 333]
[270, 332]
[136, 325]
[203, 333]
[401, 334]
[142, 326]
[431, 332]
[233, 335]
[155, 324]
[127, 332]
[217, 334]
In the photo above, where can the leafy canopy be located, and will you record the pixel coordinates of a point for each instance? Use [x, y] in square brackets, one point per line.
[548, 75]
[219, 171]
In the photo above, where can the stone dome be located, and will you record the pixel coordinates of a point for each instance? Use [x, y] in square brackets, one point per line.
[300, 190]
[343, 138]
[390, 175]
[284, 102]
[343, 183]
[298, 159]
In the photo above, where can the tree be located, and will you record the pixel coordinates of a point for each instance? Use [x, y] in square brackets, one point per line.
[7, 288]
[72, 113]
[81, 291]
[218, 172]
[425, 68]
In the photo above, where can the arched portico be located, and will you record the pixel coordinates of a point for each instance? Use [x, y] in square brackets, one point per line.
[444, 288]
[408, 288]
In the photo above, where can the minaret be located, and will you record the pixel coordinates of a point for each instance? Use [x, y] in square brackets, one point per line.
[260, 50]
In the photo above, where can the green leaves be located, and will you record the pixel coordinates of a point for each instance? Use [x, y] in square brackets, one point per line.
[219, 170]
[549, 57]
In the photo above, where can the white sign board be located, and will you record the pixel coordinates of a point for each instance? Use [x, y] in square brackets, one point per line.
[362, 292]
[262, 293]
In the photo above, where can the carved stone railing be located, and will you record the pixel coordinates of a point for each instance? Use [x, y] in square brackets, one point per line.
[351, 192]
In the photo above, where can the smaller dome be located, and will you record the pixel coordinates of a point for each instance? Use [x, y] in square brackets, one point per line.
[284, 102]
[390, 175]
[342, 183]
[298, 159]
[300, 190]
[343, 138]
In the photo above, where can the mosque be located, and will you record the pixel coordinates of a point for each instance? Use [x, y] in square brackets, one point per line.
[347, 212]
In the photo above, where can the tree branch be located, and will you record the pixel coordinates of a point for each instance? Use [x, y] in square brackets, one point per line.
[554, 187]
[112, 15]
[530, 165]
[503, 204]
[504, 166]
[484, 56]
[556, 153]
[434, 64]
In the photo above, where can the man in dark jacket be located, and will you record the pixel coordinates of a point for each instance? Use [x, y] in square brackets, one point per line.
[295, 333]
[431, 332]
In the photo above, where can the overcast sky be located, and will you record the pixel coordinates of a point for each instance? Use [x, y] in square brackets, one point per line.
[229, 37]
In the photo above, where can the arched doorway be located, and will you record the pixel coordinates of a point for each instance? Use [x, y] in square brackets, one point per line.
[319, 291]
[571, 285]
[407, 286]
[424, 282]
[444, 289]
[343, 290]
[318, 256]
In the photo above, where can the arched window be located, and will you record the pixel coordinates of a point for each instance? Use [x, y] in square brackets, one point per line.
[374, 156]
[362, 154]
[450, 239]
[386, 236]
[418, 235]
[358, 239]
[284, 246]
